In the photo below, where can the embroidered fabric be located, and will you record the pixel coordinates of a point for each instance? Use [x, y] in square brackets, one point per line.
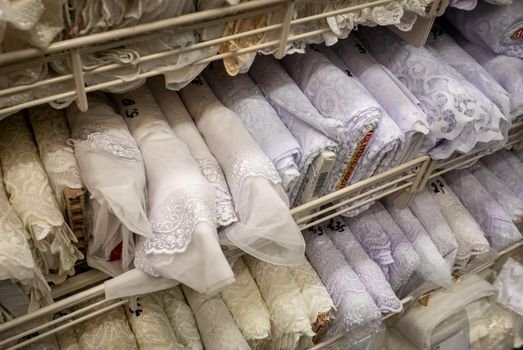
[265, 228]
[244, 301]
[368, 271]
[497, 225]
[432, 266]
[216, 325]
[469, 236]
[406, 260]
[112, 170]
[459, 116]
[242, 96]
[67, 339]
[183, 126]
[507, 170]
[181, 202]
[32, 198]
[356, 312]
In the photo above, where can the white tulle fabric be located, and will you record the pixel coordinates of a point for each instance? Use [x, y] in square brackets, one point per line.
[460, 117]
[51, 134]
[265, 228]
[244, 301]
[367, 270]
[507, 168]
[406, 260]
[299, 116]
[339, 96]
[356, 312]
[426, 210]
[494, 221]
[432, 266]
[32, 197]
[216, 325]
[112, 170]
[183, 126]
[181, 203]
[241, 95]
[469, 236]
[288, 312]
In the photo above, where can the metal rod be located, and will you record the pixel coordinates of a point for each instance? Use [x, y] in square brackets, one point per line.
[81, 97]
[284, 36]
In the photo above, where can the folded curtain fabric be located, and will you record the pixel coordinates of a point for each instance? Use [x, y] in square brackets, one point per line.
[265, 228]
[183, 126]
[242, 96]
[181, 203]
[460, 117]
[507, 169]
[32, 198]
[216, 325]
[112, 170]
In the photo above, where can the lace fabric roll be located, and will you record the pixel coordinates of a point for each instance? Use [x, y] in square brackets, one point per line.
[508, 174]
[51, 133]
[33, 200]
[336, 95]
[244, 301]
[181, 318]
[216, 325]
[265, 228]
[426, 210]
[432, 266]
[469, 236]
[183, 126]
[368, 271]
[112, 170]
[241, 95]
[406, 260]
[497, 225]
[181, 202]
[356, 312]
[460, 117]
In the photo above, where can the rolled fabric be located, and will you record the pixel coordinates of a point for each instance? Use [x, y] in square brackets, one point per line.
[244, 301]
[406, 260]
[336, 95]
[399, 103]
[32, 198]
[216, 325]
[491, 26]
[506, 172]
[288, 312]
[469, 235]
[460, 117]
[426, 210]
[265, 228]
[367, 270]
[183, 126]
[67, 339]
[466, 5]
[356, 312]
[242, 96]
[112, 170]
[181, 203]
[432, 266]
[51, 134]
[302, 119]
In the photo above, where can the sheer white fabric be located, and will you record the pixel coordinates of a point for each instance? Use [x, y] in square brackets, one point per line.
[356, 312]
[183, 126]
[368, 271]
[32, 197]
[51, 133]
[406, 260]
[288, 312]
[432, 266]
[265, 228]
[216, 325]
[112, 170]
[181, 203]
[508, 173]
[426, 210]
[67, 339]
[469, 236]
[242, 96]
[244, 301]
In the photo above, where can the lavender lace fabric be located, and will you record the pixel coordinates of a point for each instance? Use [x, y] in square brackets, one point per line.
[367, 270]
[505, 171]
